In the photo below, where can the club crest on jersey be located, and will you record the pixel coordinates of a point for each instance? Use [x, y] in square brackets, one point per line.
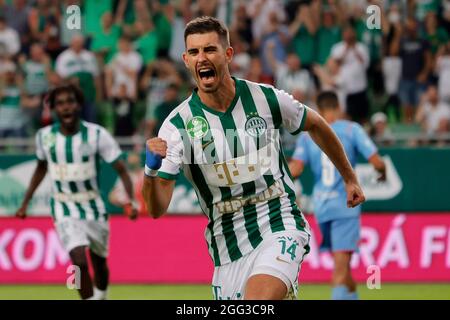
[197, 127]
[49, 140]
[255, 126]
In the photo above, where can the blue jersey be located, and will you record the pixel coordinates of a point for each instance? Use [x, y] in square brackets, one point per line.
[329, 195]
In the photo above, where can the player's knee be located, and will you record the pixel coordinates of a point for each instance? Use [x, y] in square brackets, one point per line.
[79, 259]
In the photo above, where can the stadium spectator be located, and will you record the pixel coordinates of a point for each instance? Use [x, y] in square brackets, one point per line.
[392, 64]
[242, 27]
[240, 65]
[290, 77]
[104, 43]
[379, 129]
[255, 72]
[12, 119]
[92, 11]
[353, 60]
[276, 35]
[147, 42]
[17, 14]
[423, 7]
[433, 114]
[259, 11]
[443, 72]
[9, 38]
[122, 85]
[416, 66]
[302, 31]
[44, 22]
[434, 34]
[446, 15]
[162, 15]
[330, 30]
[36, 72]
[79, 66]
[154, 82]
[171, 100]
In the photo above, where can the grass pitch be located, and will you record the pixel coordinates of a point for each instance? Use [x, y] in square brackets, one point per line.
[203, 292]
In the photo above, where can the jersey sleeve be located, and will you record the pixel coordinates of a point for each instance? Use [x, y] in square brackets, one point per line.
[363, 143]
[293, 112]
[108, 147]
[301, 149]
[40, 153]
[171, 164]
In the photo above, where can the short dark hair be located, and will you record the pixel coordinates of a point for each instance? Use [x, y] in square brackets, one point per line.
[208, 24]
[327, 100]
[69, 88]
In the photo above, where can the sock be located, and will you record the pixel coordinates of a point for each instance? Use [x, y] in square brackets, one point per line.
[100, 294]
[352, 296]
[339, 293]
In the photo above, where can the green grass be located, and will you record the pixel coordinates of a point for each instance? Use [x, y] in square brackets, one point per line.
[203, 292]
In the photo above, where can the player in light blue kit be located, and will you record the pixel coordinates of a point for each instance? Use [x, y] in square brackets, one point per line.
[339, 224]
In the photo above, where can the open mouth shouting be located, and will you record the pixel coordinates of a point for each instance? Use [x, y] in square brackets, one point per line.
[68, 117]
[207, 75]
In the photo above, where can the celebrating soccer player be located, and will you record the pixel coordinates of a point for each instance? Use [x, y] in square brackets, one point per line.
[339, 223]
[70, 150]
[224, 139]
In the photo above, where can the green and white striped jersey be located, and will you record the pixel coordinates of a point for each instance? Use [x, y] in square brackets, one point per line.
[73, 165]
[235, 163]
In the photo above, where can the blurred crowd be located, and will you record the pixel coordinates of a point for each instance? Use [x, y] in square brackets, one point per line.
[127, 59]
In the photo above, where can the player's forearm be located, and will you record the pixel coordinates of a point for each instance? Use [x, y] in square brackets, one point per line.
[36, 179]
[326, 139]
[377, 162]
[127, 184]
[157, 194]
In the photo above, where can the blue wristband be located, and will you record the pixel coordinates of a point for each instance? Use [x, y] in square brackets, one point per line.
[153, 161]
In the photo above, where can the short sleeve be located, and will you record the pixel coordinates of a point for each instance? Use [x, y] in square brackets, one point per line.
[364, 52]
[293, 112]
[171, 164]
[363, 144]
[94, 66]
[108, 147]
[301, 149]
[40, 153]
[61, 66]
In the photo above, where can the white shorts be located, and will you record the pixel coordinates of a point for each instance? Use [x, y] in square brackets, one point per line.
[280, 255]
[75, 233]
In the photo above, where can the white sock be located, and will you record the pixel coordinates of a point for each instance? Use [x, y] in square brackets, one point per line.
[100, 294]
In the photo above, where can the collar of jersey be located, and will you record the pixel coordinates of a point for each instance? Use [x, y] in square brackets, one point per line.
[230, 108]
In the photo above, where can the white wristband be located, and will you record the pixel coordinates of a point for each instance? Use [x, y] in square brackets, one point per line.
[150, 172]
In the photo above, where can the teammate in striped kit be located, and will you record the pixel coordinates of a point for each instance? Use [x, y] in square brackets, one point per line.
[225, 139]
[70, 150]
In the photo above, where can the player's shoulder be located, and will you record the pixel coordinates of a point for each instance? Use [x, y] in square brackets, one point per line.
[95, 128]
[44, 130]
[66, 54]
[344, 124]
[252, 84]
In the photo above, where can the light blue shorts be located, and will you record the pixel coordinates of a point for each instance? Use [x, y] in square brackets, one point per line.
[340, 234]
